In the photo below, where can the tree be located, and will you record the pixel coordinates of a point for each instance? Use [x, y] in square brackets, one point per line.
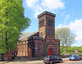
[12, 23]
[24, 33]
[66, 37]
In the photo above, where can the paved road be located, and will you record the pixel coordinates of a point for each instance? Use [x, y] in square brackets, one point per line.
[76, 62]
[71, 62]
[41, 62]
[66, 61]
[28, 62]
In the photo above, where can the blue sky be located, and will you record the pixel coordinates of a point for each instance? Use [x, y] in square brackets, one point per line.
[68, 14]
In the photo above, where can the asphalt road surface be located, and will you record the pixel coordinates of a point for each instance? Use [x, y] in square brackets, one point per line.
[65, 62]
[77, 62]
[71, 62]
[41, 62]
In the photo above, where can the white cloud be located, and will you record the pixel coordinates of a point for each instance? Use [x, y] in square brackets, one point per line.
[41, 5]
[61, 25]
[66, 18]
[37, 11]
[53, 4]
[75, 26]
[79, 35]
[62, 13]
[31, 3]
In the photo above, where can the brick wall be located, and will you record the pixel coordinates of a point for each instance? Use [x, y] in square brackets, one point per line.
[38, 52]
[22, 48]
[8, 56]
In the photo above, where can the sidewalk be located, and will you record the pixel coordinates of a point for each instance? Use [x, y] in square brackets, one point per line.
[1, 62]
[30, 62]
[65, 59]
[41, 61]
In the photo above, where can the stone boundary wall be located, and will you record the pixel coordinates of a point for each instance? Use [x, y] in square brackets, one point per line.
[8, 56]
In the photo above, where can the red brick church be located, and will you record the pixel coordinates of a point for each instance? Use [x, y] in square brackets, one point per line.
[32, 44]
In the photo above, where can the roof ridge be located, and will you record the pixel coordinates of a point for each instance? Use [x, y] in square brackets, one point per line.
[27, 35]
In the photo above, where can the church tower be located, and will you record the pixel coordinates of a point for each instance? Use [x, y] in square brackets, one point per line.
[46, 25]
[47, 31]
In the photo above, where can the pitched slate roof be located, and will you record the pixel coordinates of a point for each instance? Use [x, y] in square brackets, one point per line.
[26, 36]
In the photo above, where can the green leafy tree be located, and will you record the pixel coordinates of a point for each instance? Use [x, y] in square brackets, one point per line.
[66, 37]
[80, 49]
[70, 50]
[12, 23]
[60, 36]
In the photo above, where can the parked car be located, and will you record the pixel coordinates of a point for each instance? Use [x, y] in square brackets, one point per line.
[75, 57]
[51, 59]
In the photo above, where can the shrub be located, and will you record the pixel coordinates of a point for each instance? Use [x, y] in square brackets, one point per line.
[61, 53]
[17, 58]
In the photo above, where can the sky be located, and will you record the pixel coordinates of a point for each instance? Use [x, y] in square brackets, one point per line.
[68, 14]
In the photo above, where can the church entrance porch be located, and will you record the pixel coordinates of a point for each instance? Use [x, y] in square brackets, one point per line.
[49, 52]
